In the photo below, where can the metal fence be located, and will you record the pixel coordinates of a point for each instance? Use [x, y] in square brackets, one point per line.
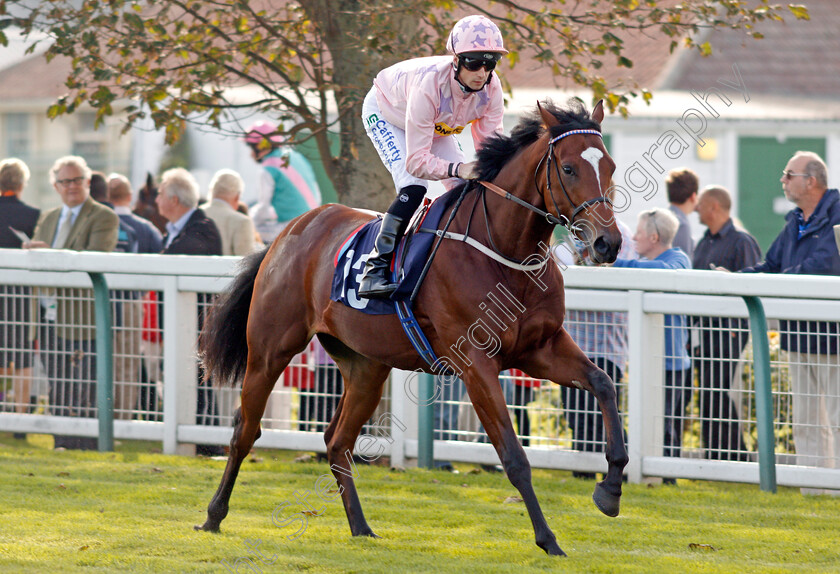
[688, 412]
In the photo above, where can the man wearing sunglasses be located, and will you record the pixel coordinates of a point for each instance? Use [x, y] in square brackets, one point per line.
[806, 247]
[412, 114]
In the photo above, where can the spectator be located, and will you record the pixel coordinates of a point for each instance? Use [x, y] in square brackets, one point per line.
[654, 236]
[237, 230]
[805, 246]
[120, 194]
[137, 235]
[288, 187]
[682, 187]
[243, 209]
[721, 339]
[99, 188]
[67, 327]
[602, 335]
[837, 236]
[191, 232]
[15, 344]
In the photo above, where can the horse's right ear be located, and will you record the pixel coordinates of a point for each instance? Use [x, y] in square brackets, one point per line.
[547, 117]
[150, 181]
[598, 112]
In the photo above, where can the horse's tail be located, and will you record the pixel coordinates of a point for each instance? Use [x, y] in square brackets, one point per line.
[223, 344]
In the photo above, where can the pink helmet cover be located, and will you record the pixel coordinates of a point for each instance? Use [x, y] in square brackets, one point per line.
[262, 130]
[475, 33]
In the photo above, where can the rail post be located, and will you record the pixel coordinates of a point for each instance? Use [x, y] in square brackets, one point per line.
[763, 394]
[426, 422]
[104, 362]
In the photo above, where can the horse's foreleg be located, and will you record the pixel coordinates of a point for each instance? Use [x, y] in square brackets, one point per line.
[362, 391]
[564, 363]
[255, 393]
[486, 396]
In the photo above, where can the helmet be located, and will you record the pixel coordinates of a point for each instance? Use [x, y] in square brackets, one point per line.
[475, 34]
[262, 131]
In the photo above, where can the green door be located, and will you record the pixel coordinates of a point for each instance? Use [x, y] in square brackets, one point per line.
[760, 165]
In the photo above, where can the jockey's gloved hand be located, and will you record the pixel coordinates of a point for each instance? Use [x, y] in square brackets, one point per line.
[468, 170]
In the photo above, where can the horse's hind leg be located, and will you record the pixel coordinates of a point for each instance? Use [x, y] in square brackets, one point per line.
[256, 388]
[363, 380]
[486, 396]
[564, 363]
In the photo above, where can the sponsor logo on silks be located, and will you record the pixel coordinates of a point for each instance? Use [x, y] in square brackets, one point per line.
[372, 119]
[444, 130]
[384, 139]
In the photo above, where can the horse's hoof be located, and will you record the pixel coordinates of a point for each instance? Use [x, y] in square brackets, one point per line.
[552, 548]
[606, 502]
[207, 527]
[368, 533]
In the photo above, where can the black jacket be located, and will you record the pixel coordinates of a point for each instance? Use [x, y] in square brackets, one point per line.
[15, 213]
[200, 236]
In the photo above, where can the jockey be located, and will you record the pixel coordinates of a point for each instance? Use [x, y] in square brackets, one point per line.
[287, 183]
[412, 114]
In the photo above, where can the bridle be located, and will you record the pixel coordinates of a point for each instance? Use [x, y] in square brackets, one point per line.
[550, 218]
[548, 159]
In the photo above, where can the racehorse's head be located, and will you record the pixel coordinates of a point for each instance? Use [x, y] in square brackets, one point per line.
[574, 177]
[146, 207]
[148, 192]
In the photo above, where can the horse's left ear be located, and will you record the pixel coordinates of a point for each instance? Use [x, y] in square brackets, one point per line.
[598, 112]
[547, 117]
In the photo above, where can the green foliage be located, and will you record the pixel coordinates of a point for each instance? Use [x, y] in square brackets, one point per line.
[184, 60]
[133, 511]
[179, 154]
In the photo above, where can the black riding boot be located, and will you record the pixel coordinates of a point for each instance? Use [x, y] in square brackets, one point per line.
[375, 283]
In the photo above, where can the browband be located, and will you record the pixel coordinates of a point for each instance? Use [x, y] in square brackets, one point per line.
[573, 133]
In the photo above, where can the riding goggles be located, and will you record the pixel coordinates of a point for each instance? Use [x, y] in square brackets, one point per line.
[475, 61]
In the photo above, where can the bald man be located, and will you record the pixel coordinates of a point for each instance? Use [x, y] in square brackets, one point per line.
[722, 339]
[149, 239]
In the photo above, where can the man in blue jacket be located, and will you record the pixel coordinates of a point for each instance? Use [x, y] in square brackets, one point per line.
[654, 242]
[806, 247]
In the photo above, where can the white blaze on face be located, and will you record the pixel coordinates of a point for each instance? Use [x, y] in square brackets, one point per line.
[593, 155]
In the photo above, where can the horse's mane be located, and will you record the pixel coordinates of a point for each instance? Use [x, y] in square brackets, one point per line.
[500, 148]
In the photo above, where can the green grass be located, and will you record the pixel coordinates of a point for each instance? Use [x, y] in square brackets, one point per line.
[133, 511]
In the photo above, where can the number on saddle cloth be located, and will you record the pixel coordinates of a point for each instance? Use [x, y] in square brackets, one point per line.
[411, 255]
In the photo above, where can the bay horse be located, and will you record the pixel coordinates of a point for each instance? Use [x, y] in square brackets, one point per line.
[281, 298]
[146, 207]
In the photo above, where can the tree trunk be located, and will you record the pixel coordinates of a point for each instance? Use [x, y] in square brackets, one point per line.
[360, 178]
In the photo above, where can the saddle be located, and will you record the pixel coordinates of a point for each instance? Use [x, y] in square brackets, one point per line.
[410, 258]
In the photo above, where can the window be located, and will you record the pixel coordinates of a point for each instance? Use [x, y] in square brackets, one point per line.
[90, 143]
[18, 137]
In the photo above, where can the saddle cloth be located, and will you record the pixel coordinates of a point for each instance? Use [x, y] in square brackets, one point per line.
[406, 267]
